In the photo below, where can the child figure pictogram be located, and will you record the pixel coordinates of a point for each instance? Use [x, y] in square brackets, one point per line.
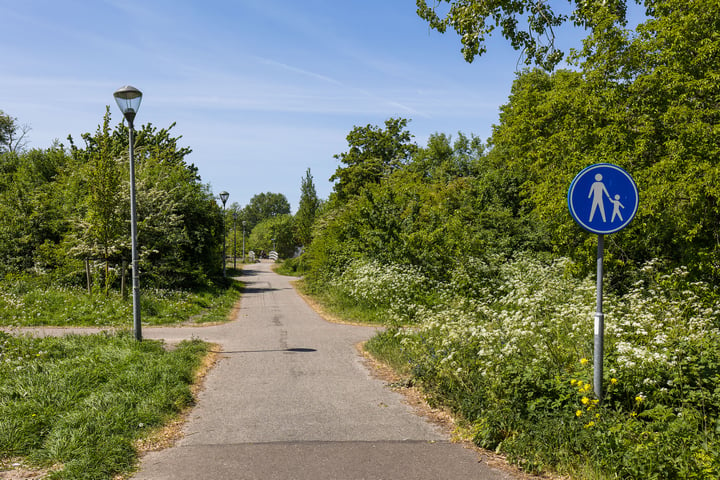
[616, 208]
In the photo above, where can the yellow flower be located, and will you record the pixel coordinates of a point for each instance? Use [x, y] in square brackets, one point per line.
[613, 381]
[639, 399]
[584, 361]
[578, 413]
[585, 400]
[573, 381]
[597, 415]
[590, 424]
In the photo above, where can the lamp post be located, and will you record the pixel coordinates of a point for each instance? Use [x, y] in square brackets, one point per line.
[234, 240]
[128, 99]
[224, 196]
[244, 222]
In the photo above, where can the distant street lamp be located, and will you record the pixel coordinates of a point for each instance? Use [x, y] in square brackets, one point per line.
[234, 240]
[244, 222]
[224, 196]
[128, 99]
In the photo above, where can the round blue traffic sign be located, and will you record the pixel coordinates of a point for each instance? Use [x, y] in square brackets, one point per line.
[603, 198]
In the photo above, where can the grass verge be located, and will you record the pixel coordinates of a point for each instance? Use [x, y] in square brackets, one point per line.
[385, 347]
[336, 307]
[25, 302]
[76, 405]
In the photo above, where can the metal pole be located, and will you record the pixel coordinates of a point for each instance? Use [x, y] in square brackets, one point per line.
[235, 241]
[133, 235]
[243, 241]
[599, 323]
[223, 226]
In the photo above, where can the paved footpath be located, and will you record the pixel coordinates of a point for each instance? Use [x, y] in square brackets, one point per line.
[292, 399]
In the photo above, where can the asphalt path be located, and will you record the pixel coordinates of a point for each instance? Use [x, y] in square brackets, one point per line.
[291, 398]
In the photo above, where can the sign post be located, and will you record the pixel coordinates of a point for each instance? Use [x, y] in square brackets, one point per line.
[593, 189]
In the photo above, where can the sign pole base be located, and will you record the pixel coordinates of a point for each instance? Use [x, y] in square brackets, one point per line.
[599, 324]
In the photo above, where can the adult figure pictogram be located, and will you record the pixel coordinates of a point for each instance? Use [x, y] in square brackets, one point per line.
[596, 192]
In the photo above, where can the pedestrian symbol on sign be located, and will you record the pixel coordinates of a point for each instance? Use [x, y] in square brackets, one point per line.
[596, 192]
[616, 208]
[601, 189]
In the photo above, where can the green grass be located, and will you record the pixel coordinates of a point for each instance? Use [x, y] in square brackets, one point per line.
[26, 301]
[293, 267]
[82, 401]
[386, 348]
[336, 303]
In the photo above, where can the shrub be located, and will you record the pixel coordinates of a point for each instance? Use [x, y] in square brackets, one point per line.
[510, 354]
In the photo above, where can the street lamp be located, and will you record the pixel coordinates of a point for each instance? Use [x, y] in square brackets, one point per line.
[128, 99]
[234, 240]
[224, 196]
[244, 222]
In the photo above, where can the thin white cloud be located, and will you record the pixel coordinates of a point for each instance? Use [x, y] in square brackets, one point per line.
[300, 71]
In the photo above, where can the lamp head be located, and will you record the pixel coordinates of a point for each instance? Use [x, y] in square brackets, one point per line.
[128, 98]
[224, 196]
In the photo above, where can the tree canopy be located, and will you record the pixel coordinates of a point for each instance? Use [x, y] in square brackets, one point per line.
[527, 24]
[374, 153]
[646, 102]
[12, 134]
[263, 206]
[61, 206]
[307, 210]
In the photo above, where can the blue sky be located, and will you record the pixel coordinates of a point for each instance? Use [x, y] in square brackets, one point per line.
[261, 90]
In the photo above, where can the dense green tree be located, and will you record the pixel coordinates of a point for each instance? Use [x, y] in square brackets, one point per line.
[275, 232]
[374, 154]
[180, 224]
[12, 134]
[673, 99]
[99, 228]
[645, 101]
[446, 204]
[263, 206]
[442, 159]
[59, 207]
[7, 127]
[307, 210]
[34, 213]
